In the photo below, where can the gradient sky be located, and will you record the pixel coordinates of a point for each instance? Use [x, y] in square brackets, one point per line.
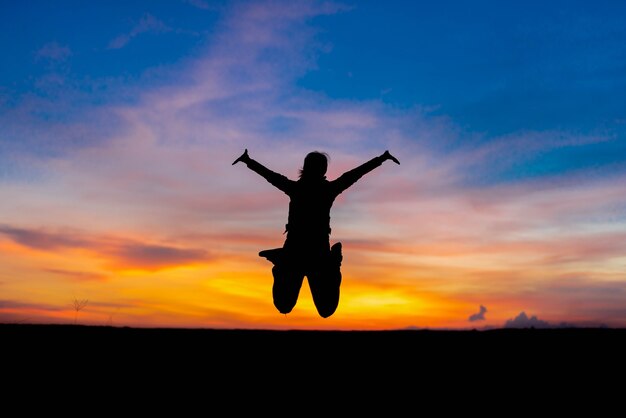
[119, 122]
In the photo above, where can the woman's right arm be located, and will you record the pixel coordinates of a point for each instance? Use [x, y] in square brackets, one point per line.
[277, 180]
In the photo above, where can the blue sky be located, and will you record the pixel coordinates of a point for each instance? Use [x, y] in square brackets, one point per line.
[493, 68]
[90, 31]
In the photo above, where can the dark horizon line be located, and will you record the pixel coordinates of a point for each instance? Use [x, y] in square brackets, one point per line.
[241, 329]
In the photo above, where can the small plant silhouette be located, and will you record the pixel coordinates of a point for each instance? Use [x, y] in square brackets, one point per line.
[79, 304]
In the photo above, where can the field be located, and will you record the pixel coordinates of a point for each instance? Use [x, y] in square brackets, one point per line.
[392, 345]
[399, 365]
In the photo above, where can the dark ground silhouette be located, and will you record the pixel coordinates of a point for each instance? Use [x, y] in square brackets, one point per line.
[348, 344]
[395, 367]
[306, 251]
[231, 370]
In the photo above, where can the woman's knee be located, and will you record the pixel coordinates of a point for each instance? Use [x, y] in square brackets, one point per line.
[285, 290]
[328, 305]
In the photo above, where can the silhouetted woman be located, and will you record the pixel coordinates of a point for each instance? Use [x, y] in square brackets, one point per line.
[306, 250]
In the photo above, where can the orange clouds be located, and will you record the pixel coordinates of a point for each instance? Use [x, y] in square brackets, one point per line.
[117, 253]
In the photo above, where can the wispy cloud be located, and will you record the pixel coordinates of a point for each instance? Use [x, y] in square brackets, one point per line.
[147, 23]
[478, 316]
[118, 252]
[524, 321]
[43, 240]
[53, 51]
[202, 4]
[154, 257]
[15, 304]
[76, 275]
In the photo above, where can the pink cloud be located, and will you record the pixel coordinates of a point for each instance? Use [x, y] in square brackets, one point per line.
[147, 23]
[40, 239]
[76, 275]
[201, 4]
[54, 52]
[154, 257]
[119, 252]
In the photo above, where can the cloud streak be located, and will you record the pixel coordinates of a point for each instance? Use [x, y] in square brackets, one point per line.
[14, 304]
[478, 316]
[119, 252]
[43, 240]
[147, 23]
[53, 51]
[524, 321]
[154, 257]
[76, 275]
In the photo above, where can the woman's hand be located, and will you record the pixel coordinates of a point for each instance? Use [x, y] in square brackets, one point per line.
[243, 158]
[388, 156]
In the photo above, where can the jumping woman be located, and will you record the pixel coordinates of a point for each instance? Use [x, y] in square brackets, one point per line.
[306, 250]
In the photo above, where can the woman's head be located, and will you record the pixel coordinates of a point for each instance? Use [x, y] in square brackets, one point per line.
[315, 164]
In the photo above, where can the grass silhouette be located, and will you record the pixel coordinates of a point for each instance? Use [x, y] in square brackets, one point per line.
[79, 305]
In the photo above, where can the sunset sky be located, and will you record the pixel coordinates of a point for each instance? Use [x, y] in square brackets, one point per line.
[119, 122]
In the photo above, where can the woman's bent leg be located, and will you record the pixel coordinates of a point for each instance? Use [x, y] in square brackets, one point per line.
[286, 288]
[325, 283]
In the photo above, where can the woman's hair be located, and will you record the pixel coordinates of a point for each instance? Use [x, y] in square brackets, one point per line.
[315, 164]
